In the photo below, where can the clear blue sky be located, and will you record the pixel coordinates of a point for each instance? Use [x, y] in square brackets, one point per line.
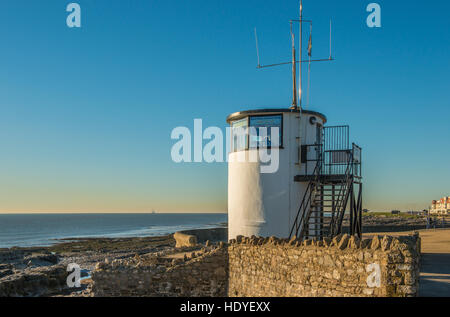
[86, 114]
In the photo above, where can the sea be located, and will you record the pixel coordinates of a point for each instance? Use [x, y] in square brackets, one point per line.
[27, 230]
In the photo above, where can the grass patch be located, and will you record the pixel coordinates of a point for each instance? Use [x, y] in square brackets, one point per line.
[388, 214]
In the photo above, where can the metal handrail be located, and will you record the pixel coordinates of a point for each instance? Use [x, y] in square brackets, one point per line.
[303, 205]
[340, 208]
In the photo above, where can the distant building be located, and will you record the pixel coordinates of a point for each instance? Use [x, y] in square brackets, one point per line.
[395, 212]
[441, 206]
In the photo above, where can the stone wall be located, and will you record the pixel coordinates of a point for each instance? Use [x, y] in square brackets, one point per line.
[344, 266]
[203, 274]
[271, 267]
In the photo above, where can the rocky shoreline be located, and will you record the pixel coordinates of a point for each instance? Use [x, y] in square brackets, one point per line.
[42, 271]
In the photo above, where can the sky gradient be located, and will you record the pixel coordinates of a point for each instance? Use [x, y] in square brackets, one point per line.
[86, 114]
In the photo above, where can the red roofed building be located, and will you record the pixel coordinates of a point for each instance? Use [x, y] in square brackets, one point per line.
[441, 206]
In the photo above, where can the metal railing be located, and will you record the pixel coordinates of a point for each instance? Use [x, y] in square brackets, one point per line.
[334, 151]
[332, 157]
[337, 215]
[304, 212]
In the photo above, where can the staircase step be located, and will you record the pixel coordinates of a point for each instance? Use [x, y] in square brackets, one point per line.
[325, 193]
[328, 187]
[330, 192]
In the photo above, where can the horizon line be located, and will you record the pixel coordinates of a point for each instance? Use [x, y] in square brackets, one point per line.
[102, 212]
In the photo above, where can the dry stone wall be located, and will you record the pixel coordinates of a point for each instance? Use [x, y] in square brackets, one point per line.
[344, 266]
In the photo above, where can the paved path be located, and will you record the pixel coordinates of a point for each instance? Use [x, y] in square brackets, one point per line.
[435, 264]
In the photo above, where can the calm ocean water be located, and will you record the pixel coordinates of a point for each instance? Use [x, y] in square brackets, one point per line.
[42, 229]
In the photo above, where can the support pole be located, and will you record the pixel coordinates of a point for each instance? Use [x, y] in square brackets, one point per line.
[300, 53]
[309, 66]
[352, 209]
[294, 71]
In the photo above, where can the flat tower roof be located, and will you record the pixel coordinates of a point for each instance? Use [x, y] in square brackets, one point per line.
[243, 114]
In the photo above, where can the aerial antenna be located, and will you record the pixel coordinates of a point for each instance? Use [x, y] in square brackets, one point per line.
[300, 50]
[297, 99]
[257, 48]
[309, 61]
[294, 72]
[330, 42]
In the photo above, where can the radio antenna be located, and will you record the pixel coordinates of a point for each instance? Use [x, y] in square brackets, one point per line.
[331, 57]
[257, 48]
[294, 72]
[309, 62]
[297, 98]
[300, 50]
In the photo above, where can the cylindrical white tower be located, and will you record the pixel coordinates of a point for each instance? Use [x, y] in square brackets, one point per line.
[265, 204]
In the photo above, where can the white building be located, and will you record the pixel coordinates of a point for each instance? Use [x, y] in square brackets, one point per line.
[314, 181]
[266, 204]
[314, 175]
[441, 206]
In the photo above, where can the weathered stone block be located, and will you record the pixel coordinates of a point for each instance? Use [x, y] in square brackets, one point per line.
[184, 240]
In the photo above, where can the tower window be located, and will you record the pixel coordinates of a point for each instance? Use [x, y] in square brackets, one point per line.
[255, 132]
[261, 133]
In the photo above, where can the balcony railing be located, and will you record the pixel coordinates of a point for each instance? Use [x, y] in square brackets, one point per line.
[335, 153]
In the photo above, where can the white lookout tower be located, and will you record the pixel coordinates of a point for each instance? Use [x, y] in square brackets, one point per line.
[318, 180]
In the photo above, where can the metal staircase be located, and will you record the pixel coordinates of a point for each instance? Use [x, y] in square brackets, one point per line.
[334, 188]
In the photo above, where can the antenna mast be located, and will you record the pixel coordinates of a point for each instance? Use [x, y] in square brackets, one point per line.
[297, 95]
[300, 70]
[309, 63]
[330, 42]
[257, 47]
[294, 72]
